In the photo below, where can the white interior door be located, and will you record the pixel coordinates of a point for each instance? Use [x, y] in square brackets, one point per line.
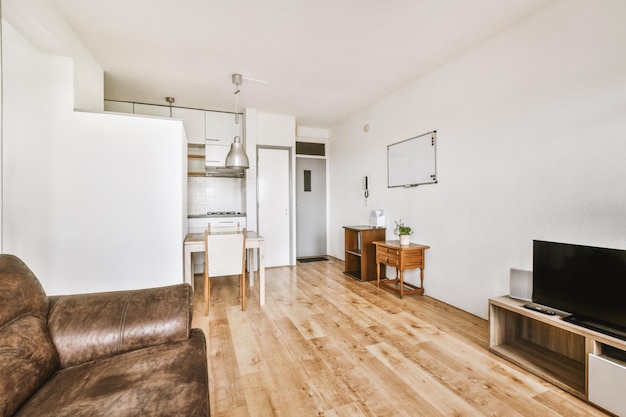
[273, 177]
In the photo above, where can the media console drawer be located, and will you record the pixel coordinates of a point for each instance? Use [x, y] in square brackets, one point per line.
[606, 383]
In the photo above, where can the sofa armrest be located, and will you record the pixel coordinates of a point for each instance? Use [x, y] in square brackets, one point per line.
[85, 327]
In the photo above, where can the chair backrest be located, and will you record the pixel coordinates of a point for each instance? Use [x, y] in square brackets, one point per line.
[225, 253]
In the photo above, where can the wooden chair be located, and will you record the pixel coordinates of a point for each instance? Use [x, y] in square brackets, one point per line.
[225, 254]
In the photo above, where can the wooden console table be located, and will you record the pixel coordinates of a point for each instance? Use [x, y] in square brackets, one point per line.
[391, 253]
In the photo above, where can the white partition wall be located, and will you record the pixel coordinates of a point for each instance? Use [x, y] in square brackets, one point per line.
[91, 201]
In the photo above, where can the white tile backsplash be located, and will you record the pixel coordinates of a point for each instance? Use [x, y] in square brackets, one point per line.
[215, 194]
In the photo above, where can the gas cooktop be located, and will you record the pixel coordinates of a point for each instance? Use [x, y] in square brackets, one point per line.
[225, 213]
[217, 214]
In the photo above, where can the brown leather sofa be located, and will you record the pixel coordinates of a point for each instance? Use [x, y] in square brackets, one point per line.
[126, 353]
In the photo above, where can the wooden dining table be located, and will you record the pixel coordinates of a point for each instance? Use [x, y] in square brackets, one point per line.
[194, 242]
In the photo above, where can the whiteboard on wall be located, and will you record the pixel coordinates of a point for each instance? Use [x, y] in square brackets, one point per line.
[412, 162]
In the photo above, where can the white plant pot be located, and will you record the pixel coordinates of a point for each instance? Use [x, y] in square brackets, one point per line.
[405, 240]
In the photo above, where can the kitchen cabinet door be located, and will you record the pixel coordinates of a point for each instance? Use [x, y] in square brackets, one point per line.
[216, 155]
[221, 128]
[193, 120]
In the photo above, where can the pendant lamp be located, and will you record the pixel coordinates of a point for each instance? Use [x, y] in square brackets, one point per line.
[237, 157]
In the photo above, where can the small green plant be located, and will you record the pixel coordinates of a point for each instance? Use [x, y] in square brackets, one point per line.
[401, 229]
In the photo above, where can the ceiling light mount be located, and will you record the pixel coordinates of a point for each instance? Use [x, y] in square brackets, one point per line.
[237, 81]
[170, 101]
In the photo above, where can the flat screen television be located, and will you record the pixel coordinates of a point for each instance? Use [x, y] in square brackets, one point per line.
[585, 281]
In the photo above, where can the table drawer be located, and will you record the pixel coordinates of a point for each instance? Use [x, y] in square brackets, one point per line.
[388, 259]
[389, 251]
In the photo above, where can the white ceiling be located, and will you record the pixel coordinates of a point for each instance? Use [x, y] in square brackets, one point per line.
[323, 60]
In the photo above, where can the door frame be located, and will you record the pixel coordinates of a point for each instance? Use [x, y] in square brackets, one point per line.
[292, 207]
[326, 196]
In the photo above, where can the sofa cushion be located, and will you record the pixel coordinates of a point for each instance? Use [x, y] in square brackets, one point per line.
[20, 291]
[164, 380]
[27, 359]
[85, 327]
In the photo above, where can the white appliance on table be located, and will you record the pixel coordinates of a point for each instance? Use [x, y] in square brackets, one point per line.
[217, 220]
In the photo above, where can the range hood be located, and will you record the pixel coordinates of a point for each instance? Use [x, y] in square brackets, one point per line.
[218, 155]
[213, 171]
[215, 161]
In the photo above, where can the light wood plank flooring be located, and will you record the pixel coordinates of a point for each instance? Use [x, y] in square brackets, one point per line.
[327, 345]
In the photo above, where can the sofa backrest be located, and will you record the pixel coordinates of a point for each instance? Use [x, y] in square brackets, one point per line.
[20, 291]
[27, 354]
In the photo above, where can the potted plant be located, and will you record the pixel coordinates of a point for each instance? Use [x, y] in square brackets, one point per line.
[404, 232]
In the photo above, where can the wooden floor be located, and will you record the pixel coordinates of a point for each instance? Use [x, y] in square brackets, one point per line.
[327, 345]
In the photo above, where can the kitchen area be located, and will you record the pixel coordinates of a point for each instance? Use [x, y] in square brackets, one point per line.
[227, 197]
[215, 201]
[216, 195]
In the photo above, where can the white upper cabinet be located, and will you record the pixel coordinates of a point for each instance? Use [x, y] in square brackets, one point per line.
[152, 110]
[193, 120]
[118, 106]
[221, 128]
[203, 127]
[216, 155]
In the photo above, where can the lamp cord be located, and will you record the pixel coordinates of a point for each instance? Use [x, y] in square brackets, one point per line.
[237, 104]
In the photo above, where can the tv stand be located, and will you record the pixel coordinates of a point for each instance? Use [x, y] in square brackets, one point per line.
[581, 361]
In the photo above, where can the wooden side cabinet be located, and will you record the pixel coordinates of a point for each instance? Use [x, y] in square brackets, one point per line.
[392, 253]
[583, 362]
[360, 255]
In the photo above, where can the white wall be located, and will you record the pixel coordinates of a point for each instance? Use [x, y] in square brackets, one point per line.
[250, 136]
[312, 134]
[531, 143]
[269, 129]
[266, 129]
[92, 201]
[275, 129]
[39, 22]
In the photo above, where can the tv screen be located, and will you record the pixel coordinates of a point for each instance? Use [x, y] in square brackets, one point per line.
[587, 282]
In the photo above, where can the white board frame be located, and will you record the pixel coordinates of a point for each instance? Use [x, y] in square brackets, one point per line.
[413, 161]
